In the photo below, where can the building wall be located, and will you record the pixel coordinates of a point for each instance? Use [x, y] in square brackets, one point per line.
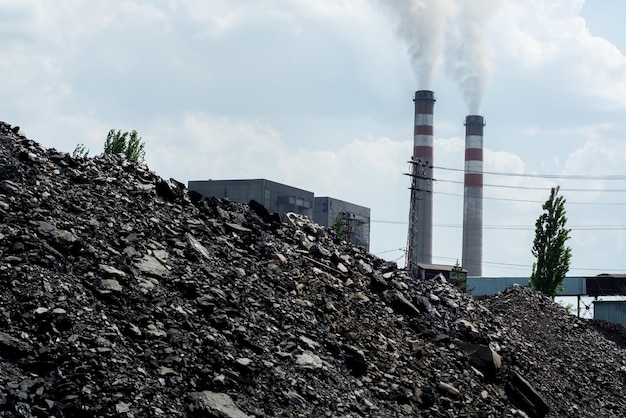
[281, 198]
[357, 217]
[481, 286]
[612, 311]
[276, 197]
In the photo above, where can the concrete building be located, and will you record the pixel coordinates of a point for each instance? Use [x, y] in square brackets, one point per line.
[327, 209]
[276, 197]
[281, 198]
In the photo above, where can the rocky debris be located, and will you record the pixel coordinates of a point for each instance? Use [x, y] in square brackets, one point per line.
[611, 331]
[123, 295]
[561, 363]
[212, 404]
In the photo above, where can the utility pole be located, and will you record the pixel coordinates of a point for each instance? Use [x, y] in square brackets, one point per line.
[419, 221]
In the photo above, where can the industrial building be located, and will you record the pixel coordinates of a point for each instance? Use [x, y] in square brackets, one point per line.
[420, 234]
[276, 197]
[611, 311]
[327, 209]
[281, 198]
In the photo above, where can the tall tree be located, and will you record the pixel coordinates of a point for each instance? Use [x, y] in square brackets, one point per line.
[131, 146]
[553, 256]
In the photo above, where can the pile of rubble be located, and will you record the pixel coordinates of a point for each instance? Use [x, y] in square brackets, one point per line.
[122, 294]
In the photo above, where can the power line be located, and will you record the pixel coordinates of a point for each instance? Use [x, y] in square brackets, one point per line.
[526, 266]
[510, 266]
[538, 201]
[507, 186]
[541, 176]
[517, 227]
[391, 251]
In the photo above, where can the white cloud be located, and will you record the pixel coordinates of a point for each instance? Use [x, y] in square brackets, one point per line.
[552, 35]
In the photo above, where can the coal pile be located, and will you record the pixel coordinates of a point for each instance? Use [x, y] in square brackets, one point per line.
[124, 295]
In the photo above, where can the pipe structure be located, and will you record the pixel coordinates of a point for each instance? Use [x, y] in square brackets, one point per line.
[421, 208]
[472, 257]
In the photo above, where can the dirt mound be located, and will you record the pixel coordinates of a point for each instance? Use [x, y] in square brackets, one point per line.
[124, 295]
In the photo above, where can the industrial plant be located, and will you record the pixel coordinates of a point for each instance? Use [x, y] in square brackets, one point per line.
[420, 234]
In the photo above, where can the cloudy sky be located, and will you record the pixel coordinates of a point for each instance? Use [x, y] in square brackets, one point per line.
[318, 95]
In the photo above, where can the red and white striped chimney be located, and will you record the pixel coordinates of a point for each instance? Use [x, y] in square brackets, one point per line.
[421, 210]
[472, 258]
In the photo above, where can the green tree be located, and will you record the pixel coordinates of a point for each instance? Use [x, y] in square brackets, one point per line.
[458, 277]
[129, 145]
[80, 151]
[553, 256]
[340, 226]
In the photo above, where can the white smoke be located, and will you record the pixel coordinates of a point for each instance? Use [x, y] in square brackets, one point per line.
[468, 54]
[454, 27]
[422, 24]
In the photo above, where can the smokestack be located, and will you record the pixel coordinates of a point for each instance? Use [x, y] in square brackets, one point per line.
[472, 257]
[421, 209]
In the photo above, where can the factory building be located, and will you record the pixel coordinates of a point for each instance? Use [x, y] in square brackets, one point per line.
[276, 197]
[357, 218]
[281, 198]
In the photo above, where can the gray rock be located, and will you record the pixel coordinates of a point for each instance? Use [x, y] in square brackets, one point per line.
[111, 270]
[308, 360]
[219, 405]
[14, 346]
[151, 266]
[111, 284]
[483, 357]
[197, 246]
[526, 396]
[400, 303]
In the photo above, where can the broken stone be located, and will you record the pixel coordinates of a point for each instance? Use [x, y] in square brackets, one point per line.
[195, 244]
[111, 270]
[215, 405]
[308, 360]
[151, 266]
[448, 388]
[111, 284]
[483, 357]
[13, 345]
[398, 302]
[200, 298]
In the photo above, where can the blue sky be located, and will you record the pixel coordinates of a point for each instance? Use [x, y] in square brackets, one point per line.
[318, 95]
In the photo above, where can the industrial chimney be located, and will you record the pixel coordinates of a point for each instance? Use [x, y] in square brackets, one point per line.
[421, 209]
[472, 257]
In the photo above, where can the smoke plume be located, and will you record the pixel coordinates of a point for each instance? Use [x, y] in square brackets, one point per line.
[422, 24]
[450, 29]
[468, 54]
